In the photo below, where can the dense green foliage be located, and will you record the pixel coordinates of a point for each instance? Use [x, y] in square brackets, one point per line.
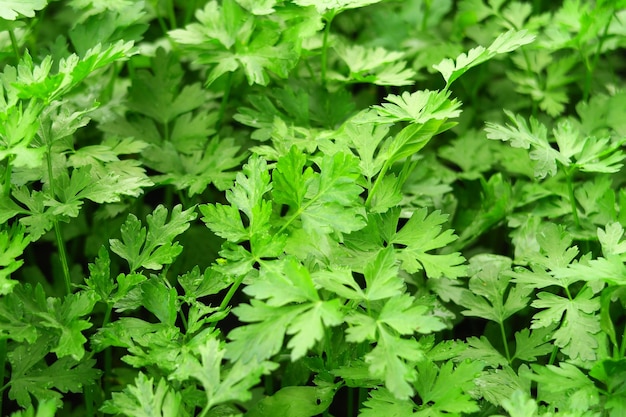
[312, 207]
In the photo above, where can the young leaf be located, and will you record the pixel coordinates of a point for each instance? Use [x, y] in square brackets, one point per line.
[294, 402]
[421, 234]
[230, 39]
[446, 390]
[11, 9]
[220, 386]
[143, 399]
[157, 248]
[504, 43]
[487, 288]
[12, 245]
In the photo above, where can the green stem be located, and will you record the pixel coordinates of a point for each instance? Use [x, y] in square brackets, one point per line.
[3, 361]
[379, 178]
[57, 230]
[88, 393]
[6, 189]
[224, 103]
[572, 197]
[16, 48]
[622, 351]
[329, 20]
[555, 351]
[172, 14]
[427, 5]
[592, 67]
[504, 342]
[189, 11]
[63, 257]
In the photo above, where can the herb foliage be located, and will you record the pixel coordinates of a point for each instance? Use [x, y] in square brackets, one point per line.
[310, 207]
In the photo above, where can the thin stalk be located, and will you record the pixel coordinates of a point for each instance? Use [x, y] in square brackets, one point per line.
[6, 189]
[224, 103]
[3, 361]
[63, 257]
[372, 190]
[171, 12]
[57, 231]
[504, 342]
[229, 295]
[189, 11]
[88, 393]
[555, 351]
[622, 351]
[427, 5]
[16, 48]
[572, 198]
[161, 21]
[329, 20]
[591, 68]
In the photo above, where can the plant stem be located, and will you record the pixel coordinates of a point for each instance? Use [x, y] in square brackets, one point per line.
[57, 227]
[172, 14]
[504, 342]
[224, 103]
[16, 48]
[329, 20]
[555, 350]
[229, 295]
[622, 351]
[88, 393]
[590, 67]
[63, 257]
[427, 4]
[6, 188]
[572, 198]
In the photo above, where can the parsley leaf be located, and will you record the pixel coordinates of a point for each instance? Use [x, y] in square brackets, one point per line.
[11, 9]
[504, 43]
[156, 248]
[143, 399]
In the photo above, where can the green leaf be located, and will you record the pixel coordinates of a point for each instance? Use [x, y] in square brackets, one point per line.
[158, 95]
[374, 65]
[579, 324]
[421, 234]
[281, 283]
[220, 386]
[329, 201]
[157, 247]
[504, 43]
[381, 277]
[381, 402]
[161, 300]
[143, 399]
[11, 9]
[520, 405]
[446, 390]
[487, 288]
[230, 39]
[530, 345]
[13, 242]
[392, 360]
[334, 6]
[294, 402]
[31, 376]
[419, 107]
[565, 386]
